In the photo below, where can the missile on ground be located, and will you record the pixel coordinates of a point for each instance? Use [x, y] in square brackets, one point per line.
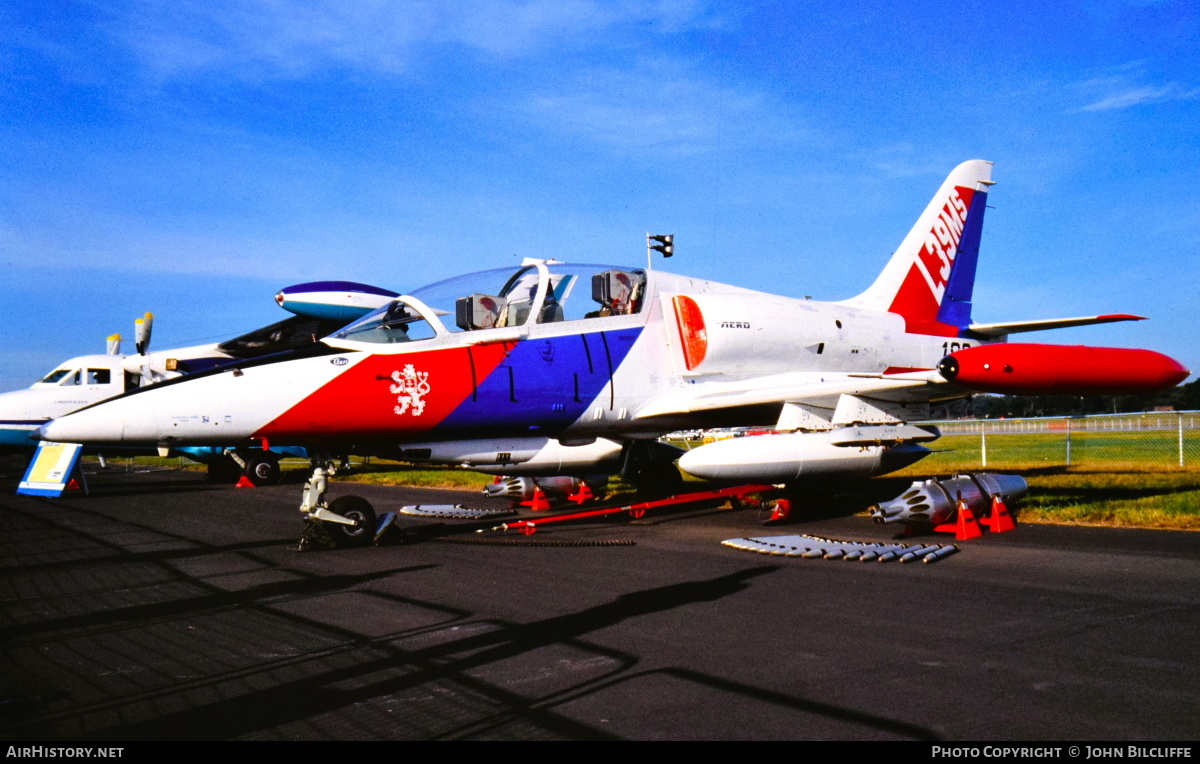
[910, 556]
[518, 489]
[933, 502]
[934, 556]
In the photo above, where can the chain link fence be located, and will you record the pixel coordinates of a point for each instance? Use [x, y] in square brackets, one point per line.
[1155, 439]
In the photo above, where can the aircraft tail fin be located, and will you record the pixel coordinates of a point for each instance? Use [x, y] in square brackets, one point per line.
[930, 278]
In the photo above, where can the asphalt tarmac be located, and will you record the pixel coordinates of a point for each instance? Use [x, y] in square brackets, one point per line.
[160, 607]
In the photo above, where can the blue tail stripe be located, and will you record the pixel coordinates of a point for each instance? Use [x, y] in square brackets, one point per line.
[956, 303]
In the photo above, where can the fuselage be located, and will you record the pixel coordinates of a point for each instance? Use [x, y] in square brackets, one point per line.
[564, 351]
[73, 385]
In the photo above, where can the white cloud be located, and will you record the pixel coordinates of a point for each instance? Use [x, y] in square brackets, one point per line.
[1126, 86]
[1145, 94]
[661, 106]
[291, 38]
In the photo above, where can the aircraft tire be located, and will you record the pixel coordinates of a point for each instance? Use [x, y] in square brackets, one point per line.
[263, 469]
[354, 508]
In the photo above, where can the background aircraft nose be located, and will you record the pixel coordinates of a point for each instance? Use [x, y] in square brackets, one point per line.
[91, 426]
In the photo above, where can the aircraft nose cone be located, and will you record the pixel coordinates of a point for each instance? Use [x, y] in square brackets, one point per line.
[87, 427]
[52, 431]
[702, 466]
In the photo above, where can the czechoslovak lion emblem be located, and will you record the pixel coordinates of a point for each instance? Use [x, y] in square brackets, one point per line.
[410, 390]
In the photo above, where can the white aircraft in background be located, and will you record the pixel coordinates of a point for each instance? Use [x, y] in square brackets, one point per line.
[320, 308]
[567, 369]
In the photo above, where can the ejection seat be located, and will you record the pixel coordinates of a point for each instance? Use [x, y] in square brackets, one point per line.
[480, 311]
[618, 292]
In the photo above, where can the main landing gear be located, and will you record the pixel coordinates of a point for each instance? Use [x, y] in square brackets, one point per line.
[348, 521]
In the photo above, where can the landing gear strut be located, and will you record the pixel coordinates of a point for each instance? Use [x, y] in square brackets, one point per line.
[346, 522]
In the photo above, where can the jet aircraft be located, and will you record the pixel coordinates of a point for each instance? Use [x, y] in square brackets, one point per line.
[568, 369]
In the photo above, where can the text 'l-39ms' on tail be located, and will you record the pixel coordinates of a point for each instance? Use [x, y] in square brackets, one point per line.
[930, 278]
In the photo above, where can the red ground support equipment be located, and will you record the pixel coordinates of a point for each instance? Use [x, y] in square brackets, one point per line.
[965, 525]
[583, 495]
[244, 482]
[528, 527]
[782, 510]
[1000, 520]
[539, 502]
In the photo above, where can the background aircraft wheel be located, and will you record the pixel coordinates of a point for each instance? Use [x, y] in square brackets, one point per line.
[359, 510]
[263, 469]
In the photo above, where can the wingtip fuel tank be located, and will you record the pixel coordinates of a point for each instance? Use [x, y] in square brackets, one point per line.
[1033, 369]
[334, 300]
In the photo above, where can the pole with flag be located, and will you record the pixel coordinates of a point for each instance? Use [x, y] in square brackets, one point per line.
[664, 243]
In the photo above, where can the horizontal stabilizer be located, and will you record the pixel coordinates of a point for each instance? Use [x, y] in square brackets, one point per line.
[1015, 327]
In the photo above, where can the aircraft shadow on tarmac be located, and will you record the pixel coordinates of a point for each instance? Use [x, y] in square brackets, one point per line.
[328, 687]
[444, 671]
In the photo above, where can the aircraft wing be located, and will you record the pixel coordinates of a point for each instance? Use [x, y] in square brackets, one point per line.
[1014, 327]
[800, 388]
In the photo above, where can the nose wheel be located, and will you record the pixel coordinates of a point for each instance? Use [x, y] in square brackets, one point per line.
[358, 510]
[348, 521]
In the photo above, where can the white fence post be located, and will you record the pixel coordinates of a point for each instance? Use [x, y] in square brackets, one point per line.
[983, 441]
[1068, 441]
[1180, 438]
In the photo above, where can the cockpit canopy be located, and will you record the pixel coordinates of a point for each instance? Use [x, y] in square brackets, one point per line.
[85, 371]
[539, 292]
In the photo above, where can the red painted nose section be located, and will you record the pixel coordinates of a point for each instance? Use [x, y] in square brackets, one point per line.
[1025, 369]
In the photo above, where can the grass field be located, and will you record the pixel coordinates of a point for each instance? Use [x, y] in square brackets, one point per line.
[1115, 479]
[1122, 451]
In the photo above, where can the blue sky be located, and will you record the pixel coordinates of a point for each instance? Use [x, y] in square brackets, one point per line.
[191, 158]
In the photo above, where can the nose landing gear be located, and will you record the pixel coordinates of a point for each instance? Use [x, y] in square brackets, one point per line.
[348, 521]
